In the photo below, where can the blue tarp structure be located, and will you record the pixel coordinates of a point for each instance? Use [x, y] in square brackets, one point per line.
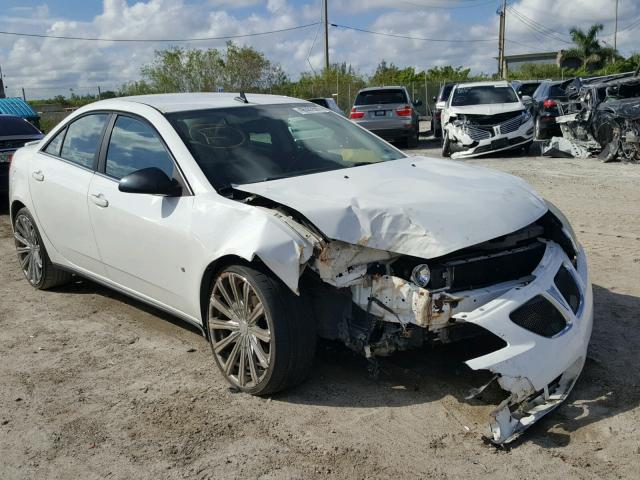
[18, 107]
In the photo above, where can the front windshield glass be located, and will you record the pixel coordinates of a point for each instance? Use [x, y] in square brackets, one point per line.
[483, 95]
[249, 144]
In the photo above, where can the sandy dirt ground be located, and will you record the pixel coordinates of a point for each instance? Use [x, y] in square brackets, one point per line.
[95, 385]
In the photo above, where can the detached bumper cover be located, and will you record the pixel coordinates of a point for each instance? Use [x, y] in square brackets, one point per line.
[537, 371]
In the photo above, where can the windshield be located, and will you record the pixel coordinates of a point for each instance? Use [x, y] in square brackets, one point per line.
[445, 92]
[376, 97]
[483, 95]
[251, 144]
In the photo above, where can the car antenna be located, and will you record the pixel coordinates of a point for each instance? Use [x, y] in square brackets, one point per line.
[242, 98]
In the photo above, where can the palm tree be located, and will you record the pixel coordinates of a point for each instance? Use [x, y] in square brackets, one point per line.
[588, 49]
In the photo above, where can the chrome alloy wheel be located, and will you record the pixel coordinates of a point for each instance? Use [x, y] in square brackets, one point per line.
[28, 248]
[240, 330]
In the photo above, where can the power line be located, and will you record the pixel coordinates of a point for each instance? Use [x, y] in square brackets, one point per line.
[533, 25]
[451, 7]
[168, 40]
[408, 37]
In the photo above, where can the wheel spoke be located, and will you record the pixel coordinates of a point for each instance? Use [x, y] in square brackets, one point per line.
[218, 305]
[23, 250]
[217, 324]
[262, 334]
[20, 238]
[232, 337]
[260, 353]
[252, 364]
[243, 357]
[231, 360]
[246, 288]
[25, 260]
[223, 291]
[257, 313]
[234, 291]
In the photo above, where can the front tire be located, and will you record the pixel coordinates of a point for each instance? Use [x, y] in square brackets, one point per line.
[446, 145]
[32, 255]
[262, 336]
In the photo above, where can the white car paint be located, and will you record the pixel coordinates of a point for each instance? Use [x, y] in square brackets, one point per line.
[158, 249]
[466, 144]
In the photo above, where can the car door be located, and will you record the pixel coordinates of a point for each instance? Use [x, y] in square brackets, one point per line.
[59, 181]
[144, 240]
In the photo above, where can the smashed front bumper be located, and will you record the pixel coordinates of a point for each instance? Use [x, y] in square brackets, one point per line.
[467, 142]
[537, 371]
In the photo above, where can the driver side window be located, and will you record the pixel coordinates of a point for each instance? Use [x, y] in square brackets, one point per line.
[134, 145]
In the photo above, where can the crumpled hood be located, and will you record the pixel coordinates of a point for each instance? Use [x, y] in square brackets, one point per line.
[417, 206]
[490, 109]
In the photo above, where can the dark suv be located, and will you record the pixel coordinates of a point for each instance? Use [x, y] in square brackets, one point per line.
[545, 108]
[14, 133]
[388, 112]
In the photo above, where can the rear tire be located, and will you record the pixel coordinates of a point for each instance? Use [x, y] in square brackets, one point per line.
[412, 139]
[538, 131]
[446, 145]
[32, 255]
[262, 336]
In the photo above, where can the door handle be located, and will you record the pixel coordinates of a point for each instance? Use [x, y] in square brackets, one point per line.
[99, 200]
[39, 176]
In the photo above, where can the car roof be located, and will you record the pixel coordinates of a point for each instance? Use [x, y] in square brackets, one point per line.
[180, 102]
[499, 83]
[388, 87]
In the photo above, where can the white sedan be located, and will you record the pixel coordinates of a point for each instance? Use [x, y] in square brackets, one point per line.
[267, 221]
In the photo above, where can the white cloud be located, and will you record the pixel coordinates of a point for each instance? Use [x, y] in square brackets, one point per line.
[58, 65]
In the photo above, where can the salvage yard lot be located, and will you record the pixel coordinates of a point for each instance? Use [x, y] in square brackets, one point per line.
[95, 385]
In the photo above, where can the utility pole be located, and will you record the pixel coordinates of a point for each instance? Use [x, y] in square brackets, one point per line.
[326, 36]
[615, 31]
[501, 63]
[2, 94]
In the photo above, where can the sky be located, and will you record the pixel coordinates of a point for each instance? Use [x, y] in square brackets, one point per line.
[46, 66]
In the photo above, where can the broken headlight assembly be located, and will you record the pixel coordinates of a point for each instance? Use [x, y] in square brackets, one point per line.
[566, 226]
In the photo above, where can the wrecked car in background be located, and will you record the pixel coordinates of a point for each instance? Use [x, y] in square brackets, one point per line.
[267, 221]
[601, 117]
[485, 117]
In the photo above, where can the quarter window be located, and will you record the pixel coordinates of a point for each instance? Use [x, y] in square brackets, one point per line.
[82, 139]
[134, 145]
[54, 145]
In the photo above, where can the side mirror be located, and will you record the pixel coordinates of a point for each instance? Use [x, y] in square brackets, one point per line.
[417, 103]
[151, 181]
[434, 98]
[526, 99]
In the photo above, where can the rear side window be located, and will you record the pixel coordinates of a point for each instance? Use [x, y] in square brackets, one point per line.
[82, 139]
[377, 97]
[54, 145]
[15, 126]
[134, 145]
[557, 91]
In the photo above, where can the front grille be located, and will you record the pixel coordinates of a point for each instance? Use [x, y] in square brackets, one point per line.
[510, 125]
[568, 287]
[491, 120]
[477, 133]
[539, 316]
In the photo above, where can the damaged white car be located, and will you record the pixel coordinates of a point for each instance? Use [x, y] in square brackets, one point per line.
[267, 221]
[485, 117]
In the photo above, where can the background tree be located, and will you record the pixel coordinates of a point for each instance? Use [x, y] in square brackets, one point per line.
[587, 48]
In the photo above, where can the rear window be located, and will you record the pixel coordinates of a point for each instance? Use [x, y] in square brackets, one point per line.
[377, 97]
[483, 95]
[557, 91]
[528, 89]
[10, 126]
